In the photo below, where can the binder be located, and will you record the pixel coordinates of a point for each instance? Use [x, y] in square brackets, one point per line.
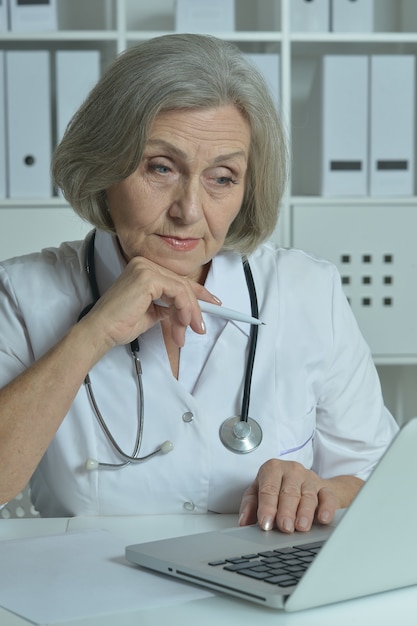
[352, 16]
[33, 15]
[392, 125]
[268, 65]
[2, 128]
[310, 15]
[338, 125]
[200, 16]
[77, 71]
[4, 15]
[28, 106]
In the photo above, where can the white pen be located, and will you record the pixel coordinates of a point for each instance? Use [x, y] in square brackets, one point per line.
[221, 311]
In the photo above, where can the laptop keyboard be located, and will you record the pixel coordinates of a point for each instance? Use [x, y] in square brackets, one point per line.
[283, 567]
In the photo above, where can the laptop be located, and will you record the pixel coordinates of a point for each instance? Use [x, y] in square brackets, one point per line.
[373, 548]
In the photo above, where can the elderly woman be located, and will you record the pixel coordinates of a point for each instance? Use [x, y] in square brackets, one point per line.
[178, 160]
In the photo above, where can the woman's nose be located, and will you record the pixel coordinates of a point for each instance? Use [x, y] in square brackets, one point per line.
[187, 205]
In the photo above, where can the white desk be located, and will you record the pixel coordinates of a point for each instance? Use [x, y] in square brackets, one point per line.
[396, 607]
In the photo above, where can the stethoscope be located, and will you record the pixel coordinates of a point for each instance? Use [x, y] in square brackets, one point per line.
[240, 434]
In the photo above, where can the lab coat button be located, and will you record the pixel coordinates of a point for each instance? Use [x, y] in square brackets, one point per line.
[189, 506]
[188, 417]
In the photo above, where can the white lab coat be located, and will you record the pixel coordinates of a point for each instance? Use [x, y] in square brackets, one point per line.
[315, 390]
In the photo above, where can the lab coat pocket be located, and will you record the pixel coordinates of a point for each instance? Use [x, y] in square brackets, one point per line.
[297, 436]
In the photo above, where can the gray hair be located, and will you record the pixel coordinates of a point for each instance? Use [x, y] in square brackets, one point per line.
[104, 141]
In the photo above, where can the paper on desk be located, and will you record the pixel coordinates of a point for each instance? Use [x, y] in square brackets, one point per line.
[77, 575]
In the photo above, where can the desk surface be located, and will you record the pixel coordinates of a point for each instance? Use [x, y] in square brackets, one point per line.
[396, 607]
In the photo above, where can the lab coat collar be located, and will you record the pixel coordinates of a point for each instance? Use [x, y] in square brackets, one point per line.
[226, 280]
[226, 277]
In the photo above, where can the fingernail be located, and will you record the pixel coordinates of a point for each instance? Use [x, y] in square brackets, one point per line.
[203, 327]
[324, 517]
[287, 525]
[267, 523]
[302, 523]
[216, 299]
[241, 517]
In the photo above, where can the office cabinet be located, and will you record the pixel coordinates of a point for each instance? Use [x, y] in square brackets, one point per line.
[264, 26]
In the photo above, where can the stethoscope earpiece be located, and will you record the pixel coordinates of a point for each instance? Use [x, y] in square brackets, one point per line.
[93, 464]
[240, 436]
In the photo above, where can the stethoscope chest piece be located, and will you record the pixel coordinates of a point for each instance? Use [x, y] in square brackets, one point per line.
[240, 436]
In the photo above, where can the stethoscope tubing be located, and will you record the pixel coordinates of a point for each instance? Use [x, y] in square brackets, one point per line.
[252, 343]
[253, 428]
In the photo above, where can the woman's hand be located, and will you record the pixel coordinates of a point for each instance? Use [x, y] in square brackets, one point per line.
[128, 308]
[286, 494]
[44, 392]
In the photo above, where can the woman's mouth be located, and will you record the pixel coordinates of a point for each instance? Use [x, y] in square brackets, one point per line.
[181, 244]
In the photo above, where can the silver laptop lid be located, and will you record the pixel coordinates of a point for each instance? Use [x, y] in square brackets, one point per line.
[372, 549]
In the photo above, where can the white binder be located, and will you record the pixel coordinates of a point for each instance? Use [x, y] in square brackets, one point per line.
[352, 16]
[2, 128]
[33, 15]
[268, 65]
[310, 15]
[392, 125]
[29, 122]
[337, 124]
[4, 15]
[77, 71]
[200, 16]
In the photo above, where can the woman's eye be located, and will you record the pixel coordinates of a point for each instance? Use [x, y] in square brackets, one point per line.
[162, 169]
[225, 180]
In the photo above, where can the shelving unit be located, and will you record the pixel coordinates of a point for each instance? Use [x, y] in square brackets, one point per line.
[263, 26]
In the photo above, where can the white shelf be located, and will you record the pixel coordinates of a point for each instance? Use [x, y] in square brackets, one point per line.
[236, 35]
[394, 360]
[27, 203]
[60, 35]
[354, 38]
[128, 22]
[353, 200]
[132, 21]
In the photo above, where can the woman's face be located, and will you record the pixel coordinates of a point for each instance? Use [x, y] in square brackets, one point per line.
[176, 208]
